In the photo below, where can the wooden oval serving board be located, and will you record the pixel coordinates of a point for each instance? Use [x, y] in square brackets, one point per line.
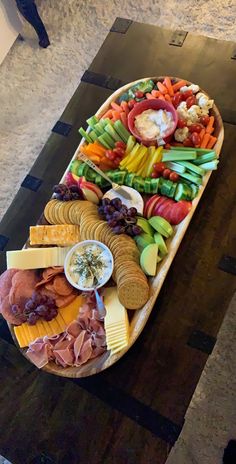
[138, 317]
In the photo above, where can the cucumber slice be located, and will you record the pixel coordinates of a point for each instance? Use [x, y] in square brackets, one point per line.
[173, 190]
[139, 184]
[85, 135]
[194, 189]
[98, 180]
[183, 192]
[147, 185]
[155, 185]
[192, 178]
[104, 183]
[119, 177]
[175, 167]
[129, 179]
[74, 166]
[124, 97]
[192, 168]
[92, 121]
[121, 130]
[166, 187]
[83, 169]
[112, 133]
[91, 175]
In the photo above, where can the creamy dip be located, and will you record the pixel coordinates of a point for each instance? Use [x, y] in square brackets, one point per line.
[90, 265]
[154, 124]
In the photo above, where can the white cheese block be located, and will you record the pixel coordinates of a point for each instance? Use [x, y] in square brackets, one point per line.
[116, 321]
[36, 258]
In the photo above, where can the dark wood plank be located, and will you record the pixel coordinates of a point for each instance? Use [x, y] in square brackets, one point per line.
[57, 418]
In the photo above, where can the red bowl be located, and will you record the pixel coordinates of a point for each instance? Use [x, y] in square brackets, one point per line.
[156, 104]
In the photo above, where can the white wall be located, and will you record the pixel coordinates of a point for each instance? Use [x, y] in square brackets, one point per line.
[10, 26]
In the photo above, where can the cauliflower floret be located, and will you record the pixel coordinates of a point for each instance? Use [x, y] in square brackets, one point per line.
[193, 87]
[194, 113]
[181, 134]
[204, 102]
[182, 110]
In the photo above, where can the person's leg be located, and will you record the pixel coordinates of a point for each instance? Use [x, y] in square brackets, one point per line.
[29, 10]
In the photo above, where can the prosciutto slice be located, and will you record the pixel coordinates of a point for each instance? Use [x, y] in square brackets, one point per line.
[83, 339]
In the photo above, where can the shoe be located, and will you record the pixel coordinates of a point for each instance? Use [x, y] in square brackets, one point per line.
[44, 42]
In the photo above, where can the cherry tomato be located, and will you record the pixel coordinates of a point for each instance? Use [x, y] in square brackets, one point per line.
[177, 99]
[116, 161]
[195, 128]
[159, 167]
[139, 94]
[188, 142]
[119, 151]
[181, 123]
[174, 176]
[166, 173]
[155, 175]
[120, 144]
[191, 101]
[131, 104]
[195, 137]
[187, 94]
[204, 120]
[110, 155]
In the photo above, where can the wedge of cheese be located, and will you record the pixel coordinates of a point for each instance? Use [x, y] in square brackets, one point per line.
[36, 258]
[116, 321]
[61, 235]
[26, 333]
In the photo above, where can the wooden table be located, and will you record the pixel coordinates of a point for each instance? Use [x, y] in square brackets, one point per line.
[133, 412]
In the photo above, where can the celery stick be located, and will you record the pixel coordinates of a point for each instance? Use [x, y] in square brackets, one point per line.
[205, 158]
[193, 178]
[175, 167]
[98, 128]
[191, 167]
[108, 139]
[211, 166]
[103, 142]
[198, 150]
[85, 135]
[111, 131]
[178, 155]
[122, 131]
[92, 121]
[93, 135]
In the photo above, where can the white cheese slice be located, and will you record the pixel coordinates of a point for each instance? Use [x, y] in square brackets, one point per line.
[36, 258]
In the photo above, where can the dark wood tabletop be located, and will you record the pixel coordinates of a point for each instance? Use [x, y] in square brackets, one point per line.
[133, 412]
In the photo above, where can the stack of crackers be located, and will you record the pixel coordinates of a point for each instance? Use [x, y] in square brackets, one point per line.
[132, 284]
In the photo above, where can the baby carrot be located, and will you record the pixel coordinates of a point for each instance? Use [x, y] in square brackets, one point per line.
[210, 124]
[211, 142]
[161, 97]
[115, 115]
[123, 119]
[149, 96]
[116, 107]
[108, 114]
[178, 85]
[124, 106]
[168, 98]
[205, 140]
[161, 87]
[202, 133]
[156, 93]
[168, 85]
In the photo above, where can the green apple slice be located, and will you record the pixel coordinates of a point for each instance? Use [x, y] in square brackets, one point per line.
[144, 224]
[161, 225]
[161, 244]
[148, 259]
[143, 240]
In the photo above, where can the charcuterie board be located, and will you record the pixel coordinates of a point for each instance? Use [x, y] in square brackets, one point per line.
[139, 317]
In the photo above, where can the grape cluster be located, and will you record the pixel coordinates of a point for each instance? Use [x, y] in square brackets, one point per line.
[37, 307]
[64, 193]
[121, 219]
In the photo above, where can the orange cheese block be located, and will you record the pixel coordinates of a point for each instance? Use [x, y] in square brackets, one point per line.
[26, 333]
